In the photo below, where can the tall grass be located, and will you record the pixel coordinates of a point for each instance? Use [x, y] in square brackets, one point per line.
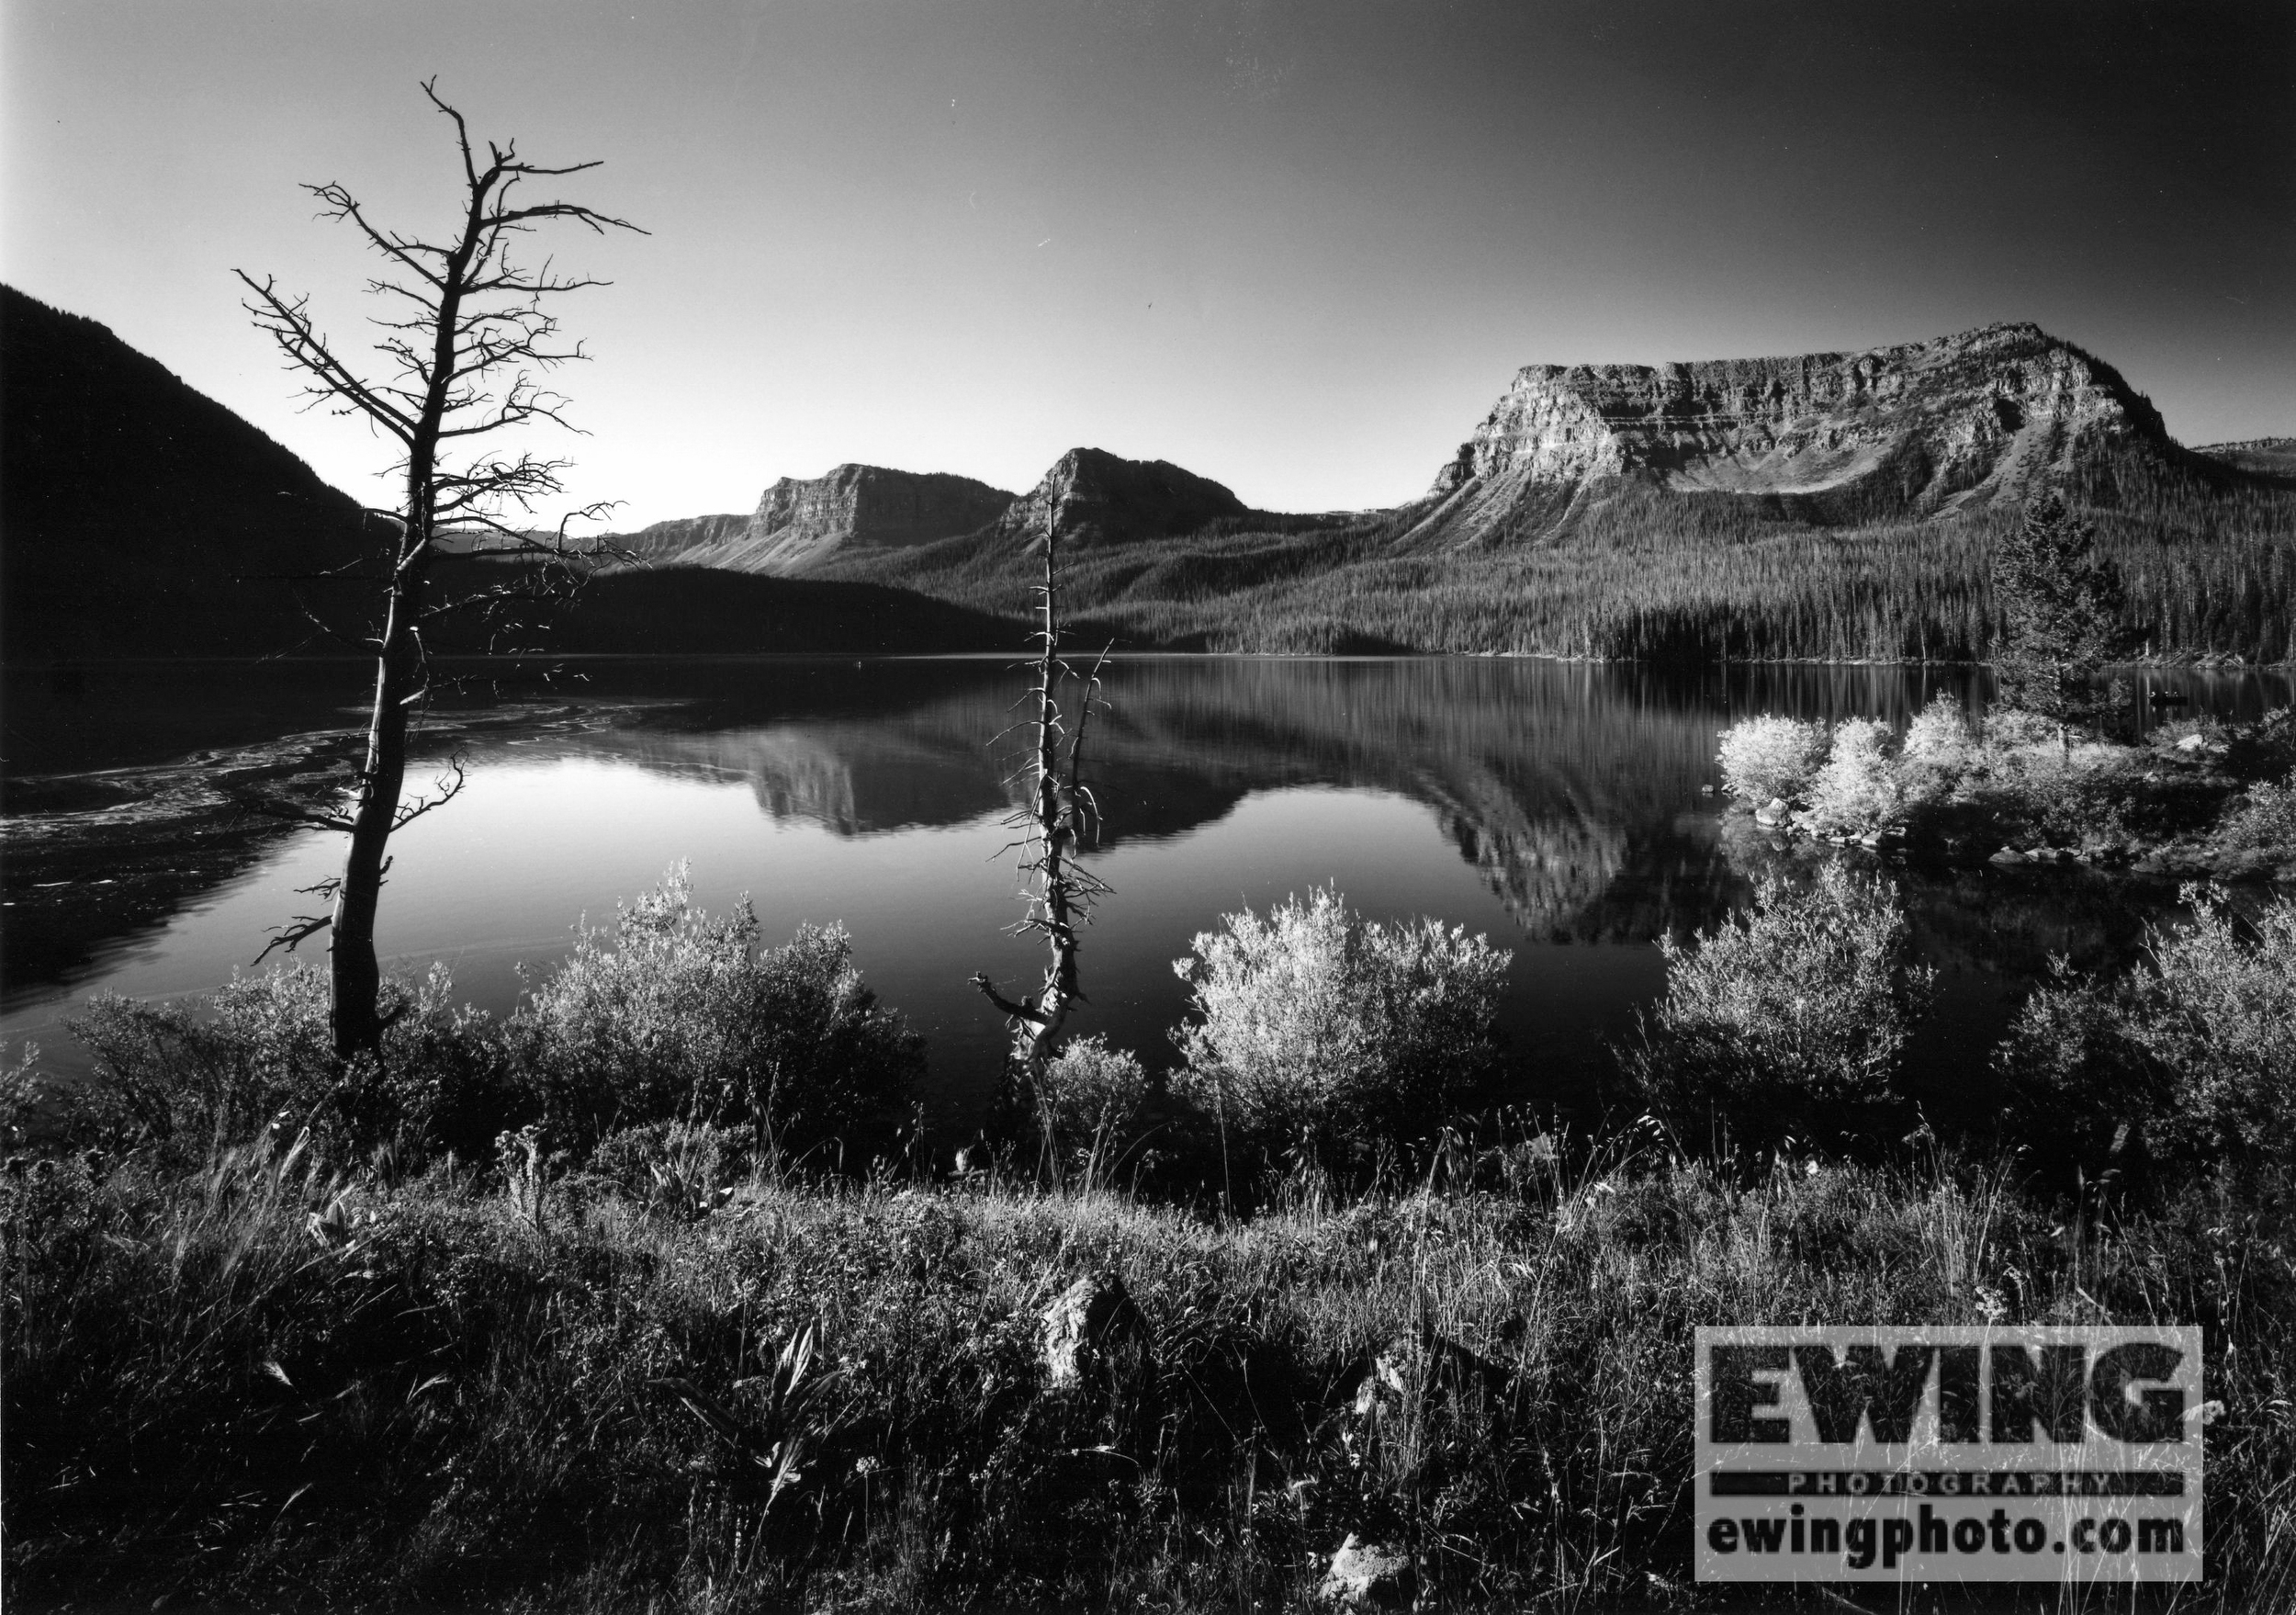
[255, 1380]
[680, 1372]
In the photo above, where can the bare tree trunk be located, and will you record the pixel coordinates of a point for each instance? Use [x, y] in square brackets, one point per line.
[1057, 822]
[354, 976]
[1034, 1037]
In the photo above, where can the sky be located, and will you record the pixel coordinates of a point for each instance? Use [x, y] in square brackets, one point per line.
[1299, 246]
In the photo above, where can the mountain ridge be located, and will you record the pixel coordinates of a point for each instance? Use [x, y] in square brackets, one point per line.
[137, 514]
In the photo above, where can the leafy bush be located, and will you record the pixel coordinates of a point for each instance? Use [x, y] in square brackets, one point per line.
[676, 1015]
[2191, 1056]
[1091, 1095]
[1769, 756]
[1938, 750]
[169, 1075]
[1315, 1021]
[1857, 788]
[2263, 820]
[1785, 1019]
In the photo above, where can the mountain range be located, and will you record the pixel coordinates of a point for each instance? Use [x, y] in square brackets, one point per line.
[1823, 505]
[1819, 506]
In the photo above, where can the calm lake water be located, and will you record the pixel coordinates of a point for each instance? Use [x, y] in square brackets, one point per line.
[1557, 808]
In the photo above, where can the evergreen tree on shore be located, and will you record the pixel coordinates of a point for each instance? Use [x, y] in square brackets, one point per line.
[2061, 609]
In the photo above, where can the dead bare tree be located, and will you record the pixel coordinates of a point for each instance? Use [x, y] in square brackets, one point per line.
[1058, 820]
[467, 327]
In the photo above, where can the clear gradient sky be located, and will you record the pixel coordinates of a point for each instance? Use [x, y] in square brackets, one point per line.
[1295, 245]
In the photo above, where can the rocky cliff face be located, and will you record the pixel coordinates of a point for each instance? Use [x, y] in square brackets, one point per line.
[800, 523]
[1094, 497]
[667, 543]
[1918, 428]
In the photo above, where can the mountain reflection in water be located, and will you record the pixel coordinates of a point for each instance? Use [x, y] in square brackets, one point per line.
[1557, 807]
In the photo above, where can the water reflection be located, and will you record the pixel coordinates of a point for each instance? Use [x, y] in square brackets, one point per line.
[1558, 807]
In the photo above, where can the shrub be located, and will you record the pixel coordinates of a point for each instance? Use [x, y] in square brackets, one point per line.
[1091, 1096]
[681, 1168]
[2193, 1053]
[1315, 1021]
[1938, 750]
[188, 1082]
[1857, 789]
[1769, 756]
[1788, 1018]
[2263, 820]
[678, 1016]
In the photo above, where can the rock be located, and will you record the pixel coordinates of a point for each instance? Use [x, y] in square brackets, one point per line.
[2193, 743]
[800, 523]
[1706, 790]
[1369, 1575]
[1089, 1321]
[2007, 857]
[1773, 812]
[1979, 417]
[1412, 1369]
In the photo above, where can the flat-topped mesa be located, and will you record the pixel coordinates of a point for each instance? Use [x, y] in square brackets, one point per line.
[1930, 425]
[800, 523]
[1094, 497]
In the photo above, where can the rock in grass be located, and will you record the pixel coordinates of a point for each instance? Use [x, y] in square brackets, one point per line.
[1369, 1575]
[1089, 1320]
[1414, 1368]
[1773, 812]
[2007, 857]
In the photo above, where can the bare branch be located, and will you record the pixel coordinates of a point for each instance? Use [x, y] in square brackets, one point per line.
[292, 330]
[301, 930]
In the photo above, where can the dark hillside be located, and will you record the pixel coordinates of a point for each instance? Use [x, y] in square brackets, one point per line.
[138, 516]
[695, 610]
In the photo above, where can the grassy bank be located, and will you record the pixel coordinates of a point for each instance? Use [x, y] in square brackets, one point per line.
[574, 1310]
[264, 1379]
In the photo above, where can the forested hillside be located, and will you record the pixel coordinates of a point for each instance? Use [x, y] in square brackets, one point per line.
[1827, 507]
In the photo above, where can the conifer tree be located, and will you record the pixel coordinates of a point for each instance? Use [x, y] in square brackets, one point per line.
[2060, 602]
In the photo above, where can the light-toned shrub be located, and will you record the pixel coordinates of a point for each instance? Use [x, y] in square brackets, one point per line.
[2193, 1053]
[194, 1076]
[2011, 729]
[1939, 749]
[673, 1015]
[1770, 756]
[1857, 789]
[1787, 1018]
[1315, 1021]
[1090, 1091]
[2263, 820]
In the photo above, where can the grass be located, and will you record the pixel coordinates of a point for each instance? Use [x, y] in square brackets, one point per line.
[671, 1366]
[263, 1379]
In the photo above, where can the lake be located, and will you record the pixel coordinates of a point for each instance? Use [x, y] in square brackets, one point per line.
[1556, 807]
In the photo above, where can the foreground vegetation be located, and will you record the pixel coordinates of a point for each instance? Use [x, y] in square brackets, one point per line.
[582, 1309]
[2198, 798]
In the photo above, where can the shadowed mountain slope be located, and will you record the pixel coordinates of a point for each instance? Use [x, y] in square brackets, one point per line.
[138, 516]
